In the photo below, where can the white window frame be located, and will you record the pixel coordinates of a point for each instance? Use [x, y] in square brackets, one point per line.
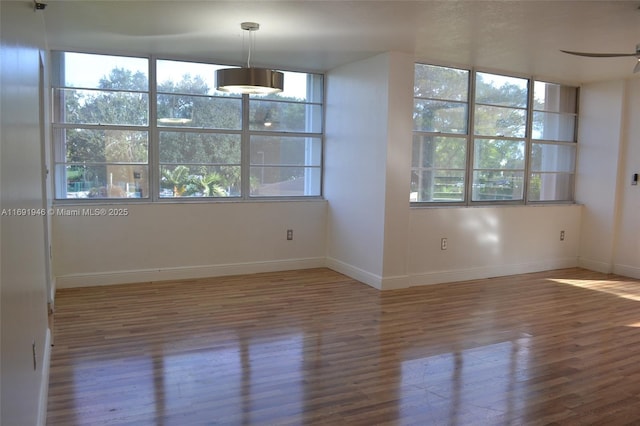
[154, 130]
[528, 139]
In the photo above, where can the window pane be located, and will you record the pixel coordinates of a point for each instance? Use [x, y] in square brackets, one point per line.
[500, 121]
[293, 151]
[99, 107]
[188, 78]
[441, 83]
[199, 181]
[199, 148]
[104, 180]
[553, 158]
[437, 186]
[88, 71]
[497, 185]
[285, 116]
[553, 126]
[103, 146]
[199, 111]
[554, 97]
[551, 187]
[299, 87]
[439, 152]
[501, 90]
[285, 181]
[498, 154]
[439, 116]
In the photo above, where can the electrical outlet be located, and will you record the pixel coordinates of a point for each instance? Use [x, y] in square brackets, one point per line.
[561, 235]
[289, 234]
[443, 244]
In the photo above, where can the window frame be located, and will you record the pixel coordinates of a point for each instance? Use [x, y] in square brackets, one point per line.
[283, 134]
[466, 136]
[59, 149]
[153, 131]
[528, 139]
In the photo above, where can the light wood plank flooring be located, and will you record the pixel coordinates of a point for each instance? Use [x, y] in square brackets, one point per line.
[315, 347]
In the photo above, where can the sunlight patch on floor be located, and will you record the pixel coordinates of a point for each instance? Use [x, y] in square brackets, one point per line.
[627, 290]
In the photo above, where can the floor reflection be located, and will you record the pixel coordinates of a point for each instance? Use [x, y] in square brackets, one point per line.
[456, 388]
[276, 349]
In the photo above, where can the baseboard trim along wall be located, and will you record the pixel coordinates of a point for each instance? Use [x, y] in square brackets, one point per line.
[184, 272]
[627, 271]
[373, 280]
[595, 265]
[440, 277]
[354, 272]
[44, 384]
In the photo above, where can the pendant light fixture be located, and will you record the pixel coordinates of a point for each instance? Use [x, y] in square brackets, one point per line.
[249, 80]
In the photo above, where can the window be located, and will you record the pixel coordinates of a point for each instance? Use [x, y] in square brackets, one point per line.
[120, 135]
[440, 138]
[286, 138]
[553, 151]
[199, 133]
[500, 122]
[491, 146]
[101, 126]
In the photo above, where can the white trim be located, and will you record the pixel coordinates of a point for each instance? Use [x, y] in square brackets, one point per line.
[373, 280]
[627, 271]
[184, 272]
[440, 277]
[595, 265]
[52, 295]
[394, 283]
[354, 272]
[44, 383]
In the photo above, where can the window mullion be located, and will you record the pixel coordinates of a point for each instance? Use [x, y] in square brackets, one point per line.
[527, 143]
[245, 151]
[470, 137]
[154, 136]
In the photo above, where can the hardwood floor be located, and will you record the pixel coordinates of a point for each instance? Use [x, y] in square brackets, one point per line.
[315, 347]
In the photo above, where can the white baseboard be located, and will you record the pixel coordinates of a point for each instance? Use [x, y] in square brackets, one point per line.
[354, 272]
[627, 271]
[393, 283]
[373, 280]
[440, 277]
[184, 272]
[44, 383]
[595, 265]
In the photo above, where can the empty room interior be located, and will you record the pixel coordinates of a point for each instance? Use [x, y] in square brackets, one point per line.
[319, 212]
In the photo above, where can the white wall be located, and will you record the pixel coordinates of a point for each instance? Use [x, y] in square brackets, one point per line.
[355, 167]
[491, 241]
[398, 170]
[599, 135]
[627, 241]
[369, 141]
[370, 231]
[173, 241]
[23, 288]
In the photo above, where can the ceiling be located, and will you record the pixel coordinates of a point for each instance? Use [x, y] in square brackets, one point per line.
[520, 37]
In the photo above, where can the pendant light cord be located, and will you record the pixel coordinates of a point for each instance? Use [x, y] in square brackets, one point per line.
[249, 55]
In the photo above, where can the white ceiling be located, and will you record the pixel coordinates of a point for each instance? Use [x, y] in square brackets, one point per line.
[522, 37]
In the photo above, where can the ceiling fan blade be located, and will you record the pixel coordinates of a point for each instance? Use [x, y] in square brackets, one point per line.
[599, 55]
[637, 67]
